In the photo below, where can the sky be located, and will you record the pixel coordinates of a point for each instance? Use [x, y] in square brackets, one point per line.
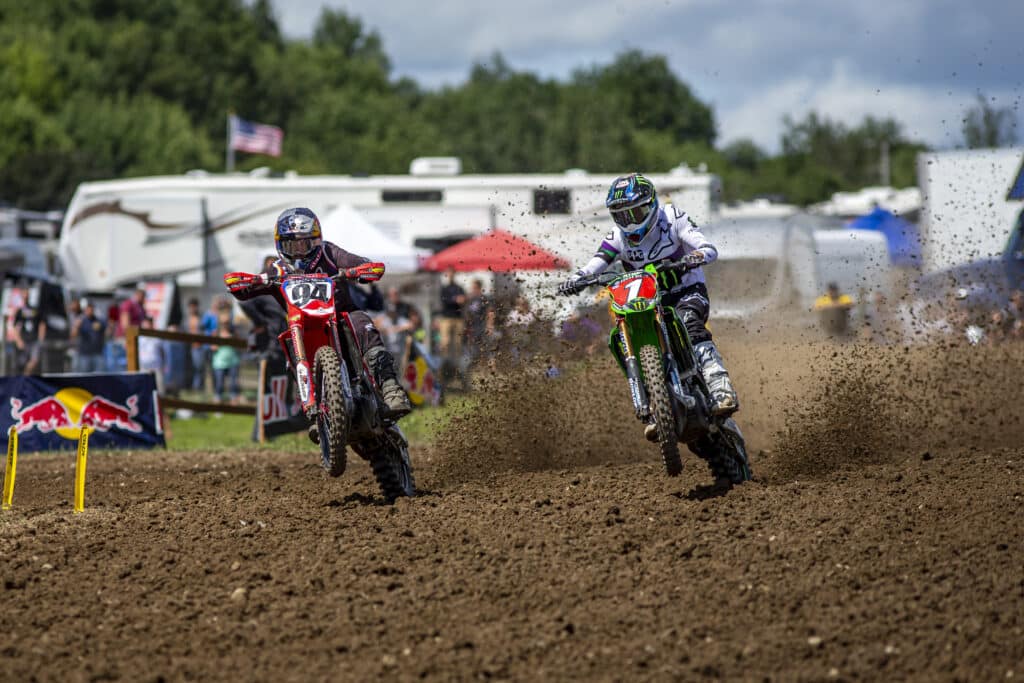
[922, 62]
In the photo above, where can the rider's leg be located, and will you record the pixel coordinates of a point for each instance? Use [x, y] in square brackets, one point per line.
[693, 308]
[381, 364]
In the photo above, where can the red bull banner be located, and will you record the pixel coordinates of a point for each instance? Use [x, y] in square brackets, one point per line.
[49, 411]
[280, 411]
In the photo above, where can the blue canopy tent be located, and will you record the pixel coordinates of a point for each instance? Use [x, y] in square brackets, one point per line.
[902, 235]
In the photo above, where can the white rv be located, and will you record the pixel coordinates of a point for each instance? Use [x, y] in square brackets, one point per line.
[967, 215]
[196, 226]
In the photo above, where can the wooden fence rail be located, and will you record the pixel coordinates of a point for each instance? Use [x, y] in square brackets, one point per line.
[131, 338]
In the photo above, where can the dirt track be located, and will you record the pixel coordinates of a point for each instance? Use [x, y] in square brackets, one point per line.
[874, 554]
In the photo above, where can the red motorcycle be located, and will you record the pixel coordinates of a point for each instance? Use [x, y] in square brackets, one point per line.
[337, 391]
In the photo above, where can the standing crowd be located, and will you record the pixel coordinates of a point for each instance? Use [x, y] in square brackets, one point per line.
[94, 342]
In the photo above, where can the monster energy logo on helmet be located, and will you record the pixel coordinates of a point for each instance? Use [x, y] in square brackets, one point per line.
[633, 203]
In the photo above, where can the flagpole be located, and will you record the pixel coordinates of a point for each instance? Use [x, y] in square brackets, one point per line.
[229, 152]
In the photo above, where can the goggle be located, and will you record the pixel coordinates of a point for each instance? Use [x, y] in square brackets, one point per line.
[632, 216]
[299, 247]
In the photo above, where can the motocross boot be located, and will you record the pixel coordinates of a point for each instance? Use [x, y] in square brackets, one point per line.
[723, 398]
[382, 365]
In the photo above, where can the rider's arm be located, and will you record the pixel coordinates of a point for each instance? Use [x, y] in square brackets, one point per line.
[605, 256]
[692, 237]
[342, 259]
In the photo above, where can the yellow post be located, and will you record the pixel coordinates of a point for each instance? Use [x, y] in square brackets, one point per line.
[83, 451]
[12, 466]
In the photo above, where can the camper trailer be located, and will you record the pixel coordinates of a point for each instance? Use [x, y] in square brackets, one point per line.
[196, 226]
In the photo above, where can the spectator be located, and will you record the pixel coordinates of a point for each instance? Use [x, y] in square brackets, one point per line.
[14, 303]
[128, 313]
[131, 312]
[450, 321]
[367, 298]
[882, 322]
[29, 334]
[1000, 326]
[395, 304]
[834, 312]
[176, 376]
[581, 332]
[1017, 305]
[395, 328]
[89, 333]
[480, 318]
[209, 323]
[519, 324]
[73, 313]
[416, 323]
[152, 355]
[199, 352]
[225, 362]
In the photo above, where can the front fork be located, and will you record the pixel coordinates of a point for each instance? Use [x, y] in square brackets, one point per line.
[674, 376]
[637, 392]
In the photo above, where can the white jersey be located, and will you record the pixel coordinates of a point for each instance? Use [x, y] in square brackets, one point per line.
[673, 235]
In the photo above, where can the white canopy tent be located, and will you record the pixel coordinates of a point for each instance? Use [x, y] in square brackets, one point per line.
[351, 231]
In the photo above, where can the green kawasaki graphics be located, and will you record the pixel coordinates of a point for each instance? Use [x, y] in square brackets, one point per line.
[668, 390]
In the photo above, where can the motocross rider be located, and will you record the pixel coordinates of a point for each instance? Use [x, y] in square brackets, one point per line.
[301, 249]
[646, 232]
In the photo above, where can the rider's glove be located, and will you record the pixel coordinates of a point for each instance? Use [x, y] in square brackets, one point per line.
[696, 258]
[242, 282]
[365, 272]
[569, 287]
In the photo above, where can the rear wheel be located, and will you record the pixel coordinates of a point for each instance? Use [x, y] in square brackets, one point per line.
[392, 466]
[732, 450]
[332, 420]
[661, 406]
[726, 454]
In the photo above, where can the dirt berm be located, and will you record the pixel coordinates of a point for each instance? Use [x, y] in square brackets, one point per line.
[881, 540]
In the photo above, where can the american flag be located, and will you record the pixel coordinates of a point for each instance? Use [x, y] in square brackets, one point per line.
[257, 138]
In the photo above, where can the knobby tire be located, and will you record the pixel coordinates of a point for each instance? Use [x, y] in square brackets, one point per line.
[661, 406]
[332, 421]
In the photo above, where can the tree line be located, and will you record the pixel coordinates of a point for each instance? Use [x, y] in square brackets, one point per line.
[94, 89]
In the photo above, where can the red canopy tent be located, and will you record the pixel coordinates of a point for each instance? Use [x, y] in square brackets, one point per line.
[497, 251]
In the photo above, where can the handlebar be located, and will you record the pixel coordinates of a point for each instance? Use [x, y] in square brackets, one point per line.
[605, 278]
[337, 277]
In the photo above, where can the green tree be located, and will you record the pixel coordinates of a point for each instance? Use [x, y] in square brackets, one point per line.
[987, 125]
[653, 97]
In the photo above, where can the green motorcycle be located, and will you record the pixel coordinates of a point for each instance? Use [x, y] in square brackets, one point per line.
[654, 350]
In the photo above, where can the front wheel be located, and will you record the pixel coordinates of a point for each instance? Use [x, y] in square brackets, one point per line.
[661, 406]
[332, 420]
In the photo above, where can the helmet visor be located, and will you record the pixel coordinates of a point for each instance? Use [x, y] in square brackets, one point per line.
[635, 215]
[299, 248]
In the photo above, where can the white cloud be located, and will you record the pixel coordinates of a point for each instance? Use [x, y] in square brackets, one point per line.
[932, 115]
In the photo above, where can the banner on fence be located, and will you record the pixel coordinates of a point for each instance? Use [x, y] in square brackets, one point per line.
[49, 411]
[279, 409]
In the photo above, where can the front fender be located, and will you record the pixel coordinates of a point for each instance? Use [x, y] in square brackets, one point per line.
[642, 328]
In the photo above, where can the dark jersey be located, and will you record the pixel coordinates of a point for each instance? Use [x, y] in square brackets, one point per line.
[331, 261]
